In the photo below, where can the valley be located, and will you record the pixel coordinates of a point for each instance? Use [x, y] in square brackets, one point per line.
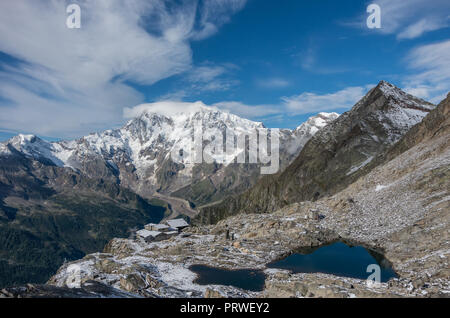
[178, 206]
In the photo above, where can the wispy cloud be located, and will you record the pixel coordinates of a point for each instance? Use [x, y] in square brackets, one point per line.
[249, 111]
[273, 83]
[168, 108]
[420, 27]
[306, 103]
[70, 80]
[203, 78]
[408, 19]
[431, 66]
[211, 77]
[215, 13]
[308, 60]
[203, 74]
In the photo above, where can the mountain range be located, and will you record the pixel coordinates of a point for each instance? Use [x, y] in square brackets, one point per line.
[61, 200]
[137, 156]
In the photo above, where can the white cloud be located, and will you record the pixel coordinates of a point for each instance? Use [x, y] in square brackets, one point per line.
[413, 18]
[306, 103]
[308, 61]
[249, 111]
[408, 19]
[417, 29]
[210, 77]
[167, 108]
[206, 73]
[215, 13]
[71, 80]
[431, 66]
[433, 60]
[177, 95]
[170, 108]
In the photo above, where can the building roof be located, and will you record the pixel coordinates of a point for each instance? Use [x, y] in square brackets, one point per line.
[177, 223]
[147, 233]
[160, 226]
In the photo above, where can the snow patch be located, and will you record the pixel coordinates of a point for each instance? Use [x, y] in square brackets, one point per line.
[380, 187]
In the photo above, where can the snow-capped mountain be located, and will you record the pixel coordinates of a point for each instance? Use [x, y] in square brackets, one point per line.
[305, 131]
[138, 155]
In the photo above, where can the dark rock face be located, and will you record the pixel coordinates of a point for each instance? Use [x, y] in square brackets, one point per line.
[334, 157]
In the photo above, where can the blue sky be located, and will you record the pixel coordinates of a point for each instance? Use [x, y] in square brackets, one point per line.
[273, 61]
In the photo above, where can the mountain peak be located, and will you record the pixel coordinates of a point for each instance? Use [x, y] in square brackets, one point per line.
[387, 88]
[384, 83]
[23, 138]
[315, 123]
[401, 97]
[23, 141]
[387, 99]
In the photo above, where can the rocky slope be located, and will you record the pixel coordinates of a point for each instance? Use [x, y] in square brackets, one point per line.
[400, 208]
[334, 157]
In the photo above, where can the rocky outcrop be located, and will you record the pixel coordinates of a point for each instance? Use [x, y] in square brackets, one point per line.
[334, 157]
